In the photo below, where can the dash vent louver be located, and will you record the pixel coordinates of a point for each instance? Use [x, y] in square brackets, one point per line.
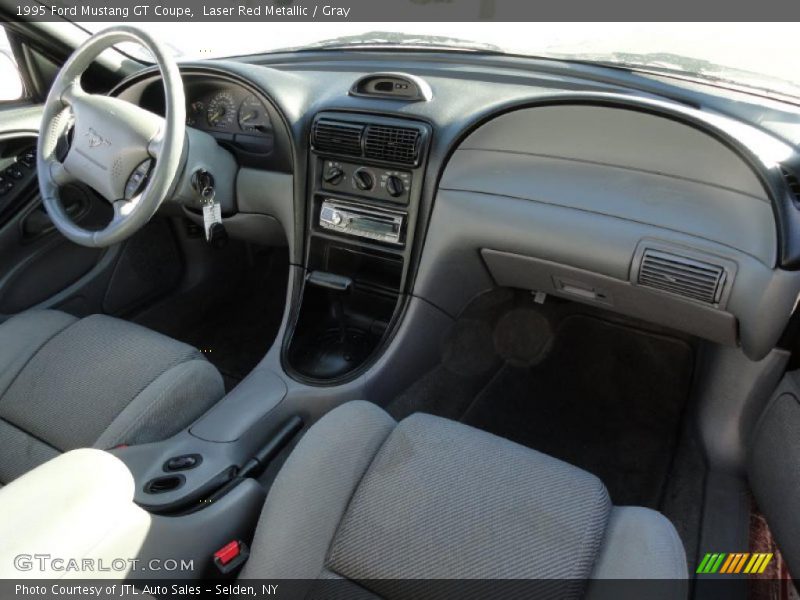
[338, 136]
[392, 144]
[687, 277]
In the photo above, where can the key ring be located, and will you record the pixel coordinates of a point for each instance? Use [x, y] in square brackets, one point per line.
[207, 194]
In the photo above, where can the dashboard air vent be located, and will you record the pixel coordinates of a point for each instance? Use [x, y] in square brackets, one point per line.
[683, 276]
[393, 86]
[392, 144]
[337, 136]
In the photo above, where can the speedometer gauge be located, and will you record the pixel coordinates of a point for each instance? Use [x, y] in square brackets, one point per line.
[253, 115]
[221, 111]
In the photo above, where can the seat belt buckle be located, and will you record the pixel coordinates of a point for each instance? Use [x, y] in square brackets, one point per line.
[231, 556]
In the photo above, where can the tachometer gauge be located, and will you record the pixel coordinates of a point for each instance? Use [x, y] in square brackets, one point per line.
[253, 116]
[221, 111]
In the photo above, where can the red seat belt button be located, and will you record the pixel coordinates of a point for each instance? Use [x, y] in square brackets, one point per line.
[231, 556]
[227, 553]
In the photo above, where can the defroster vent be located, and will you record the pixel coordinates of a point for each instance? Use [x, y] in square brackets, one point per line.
[392, 144]
[687, 277]
[338, 137]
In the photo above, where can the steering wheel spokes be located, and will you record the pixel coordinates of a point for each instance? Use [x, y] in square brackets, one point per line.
[114, 143]
[71, 93]
[57, 172]
[123, 208]
[156, 145]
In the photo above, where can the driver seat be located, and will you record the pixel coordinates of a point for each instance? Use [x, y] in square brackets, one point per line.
[99, 382]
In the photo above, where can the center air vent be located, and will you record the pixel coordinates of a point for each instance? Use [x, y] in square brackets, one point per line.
[339, 137]
[395, 142]
[681, 275]
[392, 144]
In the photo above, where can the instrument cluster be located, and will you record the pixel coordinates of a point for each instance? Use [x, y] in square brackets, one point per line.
[236, 114]
[231, 110]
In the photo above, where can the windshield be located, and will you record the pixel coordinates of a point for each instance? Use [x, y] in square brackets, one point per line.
[759, 56]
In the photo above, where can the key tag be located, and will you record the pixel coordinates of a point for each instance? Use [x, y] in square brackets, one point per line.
[212, 212]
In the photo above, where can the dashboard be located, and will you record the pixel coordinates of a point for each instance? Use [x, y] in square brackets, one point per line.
[621, 193]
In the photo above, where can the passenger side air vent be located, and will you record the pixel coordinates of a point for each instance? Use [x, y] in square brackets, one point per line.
[337, 136]
[681, 275]
[392, 144]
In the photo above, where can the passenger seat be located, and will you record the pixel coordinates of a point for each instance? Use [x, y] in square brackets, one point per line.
[369, 501]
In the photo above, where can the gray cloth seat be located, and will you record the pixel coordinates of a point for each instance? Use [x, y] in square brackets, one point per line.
[68, 383]
[371, 507]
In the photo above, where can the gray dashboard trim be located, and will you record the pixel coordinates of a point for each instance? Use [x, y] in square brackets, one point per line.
[733, 219]
[600, 163]
[452, 271]
[760, 153]
[622, 137]
[576, 214]
[514, 270]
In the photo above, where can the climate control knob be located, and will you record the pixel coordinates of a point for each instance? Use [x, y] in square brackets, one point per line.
[333, 175]
[363, 179]
[395, 186]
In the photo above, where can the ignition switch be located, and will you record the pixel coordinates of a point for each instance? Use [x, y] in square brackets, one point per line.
[202, 180]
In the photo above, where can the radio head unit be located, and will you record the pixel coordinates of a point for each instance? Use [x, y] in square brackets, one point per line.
[360, 221]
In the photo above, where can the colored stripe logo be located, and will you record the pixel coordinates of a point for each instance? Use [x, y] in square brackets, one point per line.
[737, 562]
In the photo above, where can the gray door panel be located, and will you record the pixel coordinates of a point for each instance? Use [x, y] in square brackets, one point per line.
[39, 267]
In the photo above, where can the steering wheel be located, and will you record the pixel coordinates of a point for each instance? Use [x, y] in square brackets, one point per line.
[130, 156]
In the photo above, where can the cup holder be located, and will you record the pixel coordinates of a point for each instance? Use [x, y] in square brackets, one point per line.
[164, 484]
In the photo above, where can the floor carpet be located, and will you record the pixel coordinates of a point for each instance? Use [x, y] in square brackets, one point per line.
[599, 394]
[607, 398]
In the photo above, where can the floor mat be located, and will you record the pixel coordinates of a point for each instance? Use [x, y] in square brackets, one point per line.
[607, 398]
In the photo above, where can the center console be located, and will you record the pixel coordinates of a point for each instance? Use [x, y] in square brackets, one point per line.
[366, 175]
